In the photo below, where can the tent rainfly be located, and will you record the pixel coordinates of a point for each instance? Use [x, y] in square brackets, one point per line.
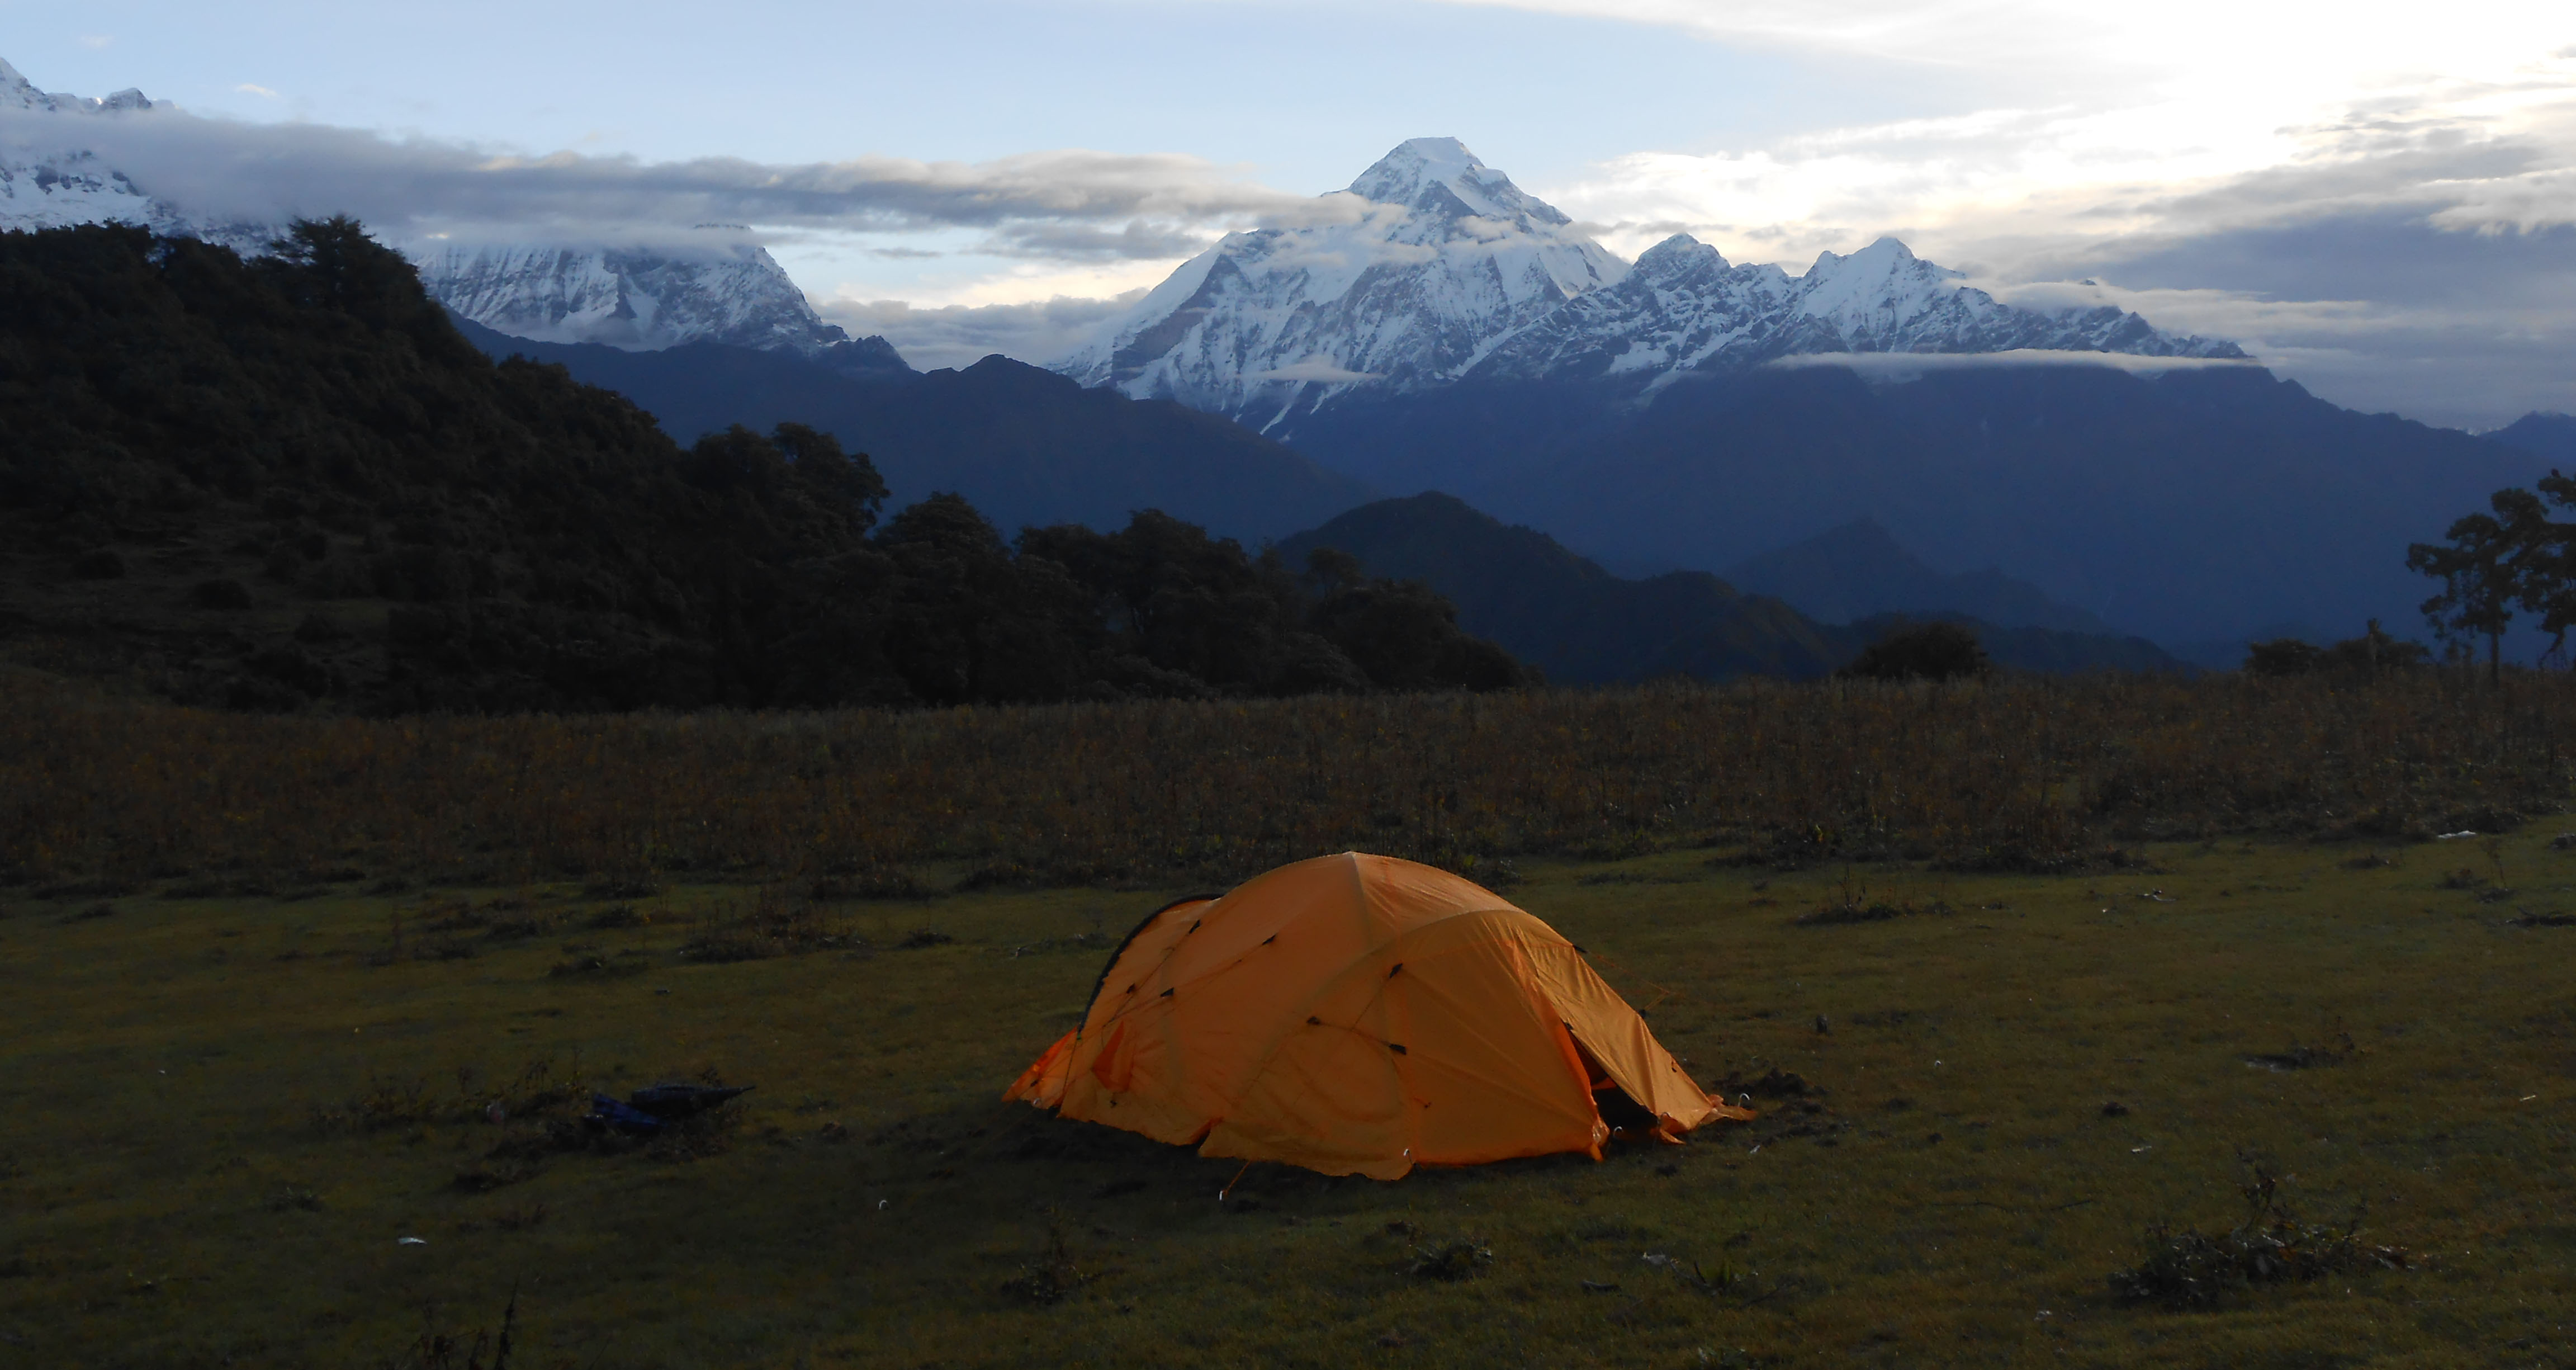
[1361, 1015]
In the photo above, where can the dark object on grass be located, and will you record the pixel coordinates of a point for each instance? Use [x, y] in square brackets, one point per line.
[924, 937]
[1453, 1260]
[1930, 651]
[1772, 1084]
[2190, 1269]
[1050, 1277]
[650, 1109]
[609, 1115]
[2546, 920]
[672, 1101]
[2115, 1109]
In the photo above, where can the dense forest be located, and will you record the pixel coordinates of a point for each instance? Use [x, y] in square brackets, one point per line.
[288, 483]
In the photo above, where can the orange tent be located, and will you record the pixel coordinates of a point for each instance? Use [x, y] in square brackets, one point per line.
[1362, 1015]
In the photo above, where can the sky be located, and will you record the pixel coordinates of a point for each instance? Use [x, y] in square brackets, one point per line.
[2379, 201]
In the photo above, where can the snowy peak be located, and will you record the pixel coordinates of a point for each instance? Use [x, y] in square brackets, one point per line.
[17, 92]
[720, 287]
[1440, 178]
[1677, 256]
[1443, 256]
[1682, 311]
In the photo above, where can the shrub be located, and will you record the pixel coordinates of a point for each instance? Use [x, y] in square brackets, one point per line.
[1931, 651]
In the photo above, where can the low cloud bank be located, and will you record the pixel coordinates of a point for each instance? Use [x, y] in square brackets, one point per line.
[1066, 202]
[1895, 364]
[1322, 369]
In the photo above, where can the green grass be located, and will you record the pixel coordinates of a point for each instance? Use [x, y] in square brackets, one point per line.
[190, 1179]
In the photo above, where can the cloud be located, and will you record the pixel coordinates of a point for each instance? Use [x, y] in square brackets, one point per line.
[2380, 209]
[264, 92]
[96, 41]
[1906, 365]
[961, 335]
[1094, 203]
[1320, 369]
[1055, 240]
[2377, 308]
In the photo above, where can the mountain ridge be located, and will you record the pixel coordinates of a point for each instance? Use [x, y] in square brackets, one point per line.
[1433, 270]
[1859, 570]
[1027, 446]
[1581, 625]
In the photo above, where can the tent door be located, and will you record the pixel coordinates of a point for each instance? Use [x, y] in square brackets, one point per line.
[1624, 1115]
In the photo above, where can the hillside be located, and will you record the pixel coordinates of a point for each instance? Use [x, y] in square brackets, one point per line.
[2550, 437]
[2197, 504]
[1026, 446]
[1857, 570]
[1582, 625]
[291, 484]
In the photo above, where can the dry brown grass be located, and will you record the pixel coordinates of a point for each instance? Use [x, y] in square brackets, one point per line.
[2017, 773]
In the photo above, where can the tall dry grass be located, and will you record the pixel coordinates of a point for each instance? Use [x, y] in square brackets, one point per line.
[2016, 771]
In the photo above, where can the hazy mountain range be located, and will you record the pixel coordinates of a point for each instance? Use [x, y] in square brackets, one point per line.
[1873, 434]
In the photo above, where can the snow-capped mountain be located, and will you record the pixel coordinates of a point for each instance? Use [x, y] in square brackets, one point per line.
[17, 92]
[1427, 260]
[1683, 310]
[51, 182]
[1441, 270]
[725, 289]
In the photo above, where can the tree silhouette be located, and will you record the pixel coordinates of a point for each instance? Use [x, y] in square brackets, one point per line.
[2490, 564]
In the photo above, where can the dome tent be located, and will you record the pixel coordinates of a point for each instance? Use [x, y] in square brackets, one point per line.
[1358, 1014]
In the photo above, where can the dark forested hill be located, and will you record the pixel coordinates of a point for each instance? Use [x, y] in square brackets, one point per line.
[1581, 624]
[291, 483]
[1027, 446]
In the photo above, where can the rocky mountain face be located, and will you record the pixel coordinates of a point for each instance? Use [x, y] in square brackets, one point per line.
[723, 288]
[714, 285]
[1434, 269]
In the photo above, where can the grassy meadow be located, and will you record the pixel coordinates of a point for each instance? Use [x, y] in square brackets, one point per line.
[280, 993]
[229, 1109]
